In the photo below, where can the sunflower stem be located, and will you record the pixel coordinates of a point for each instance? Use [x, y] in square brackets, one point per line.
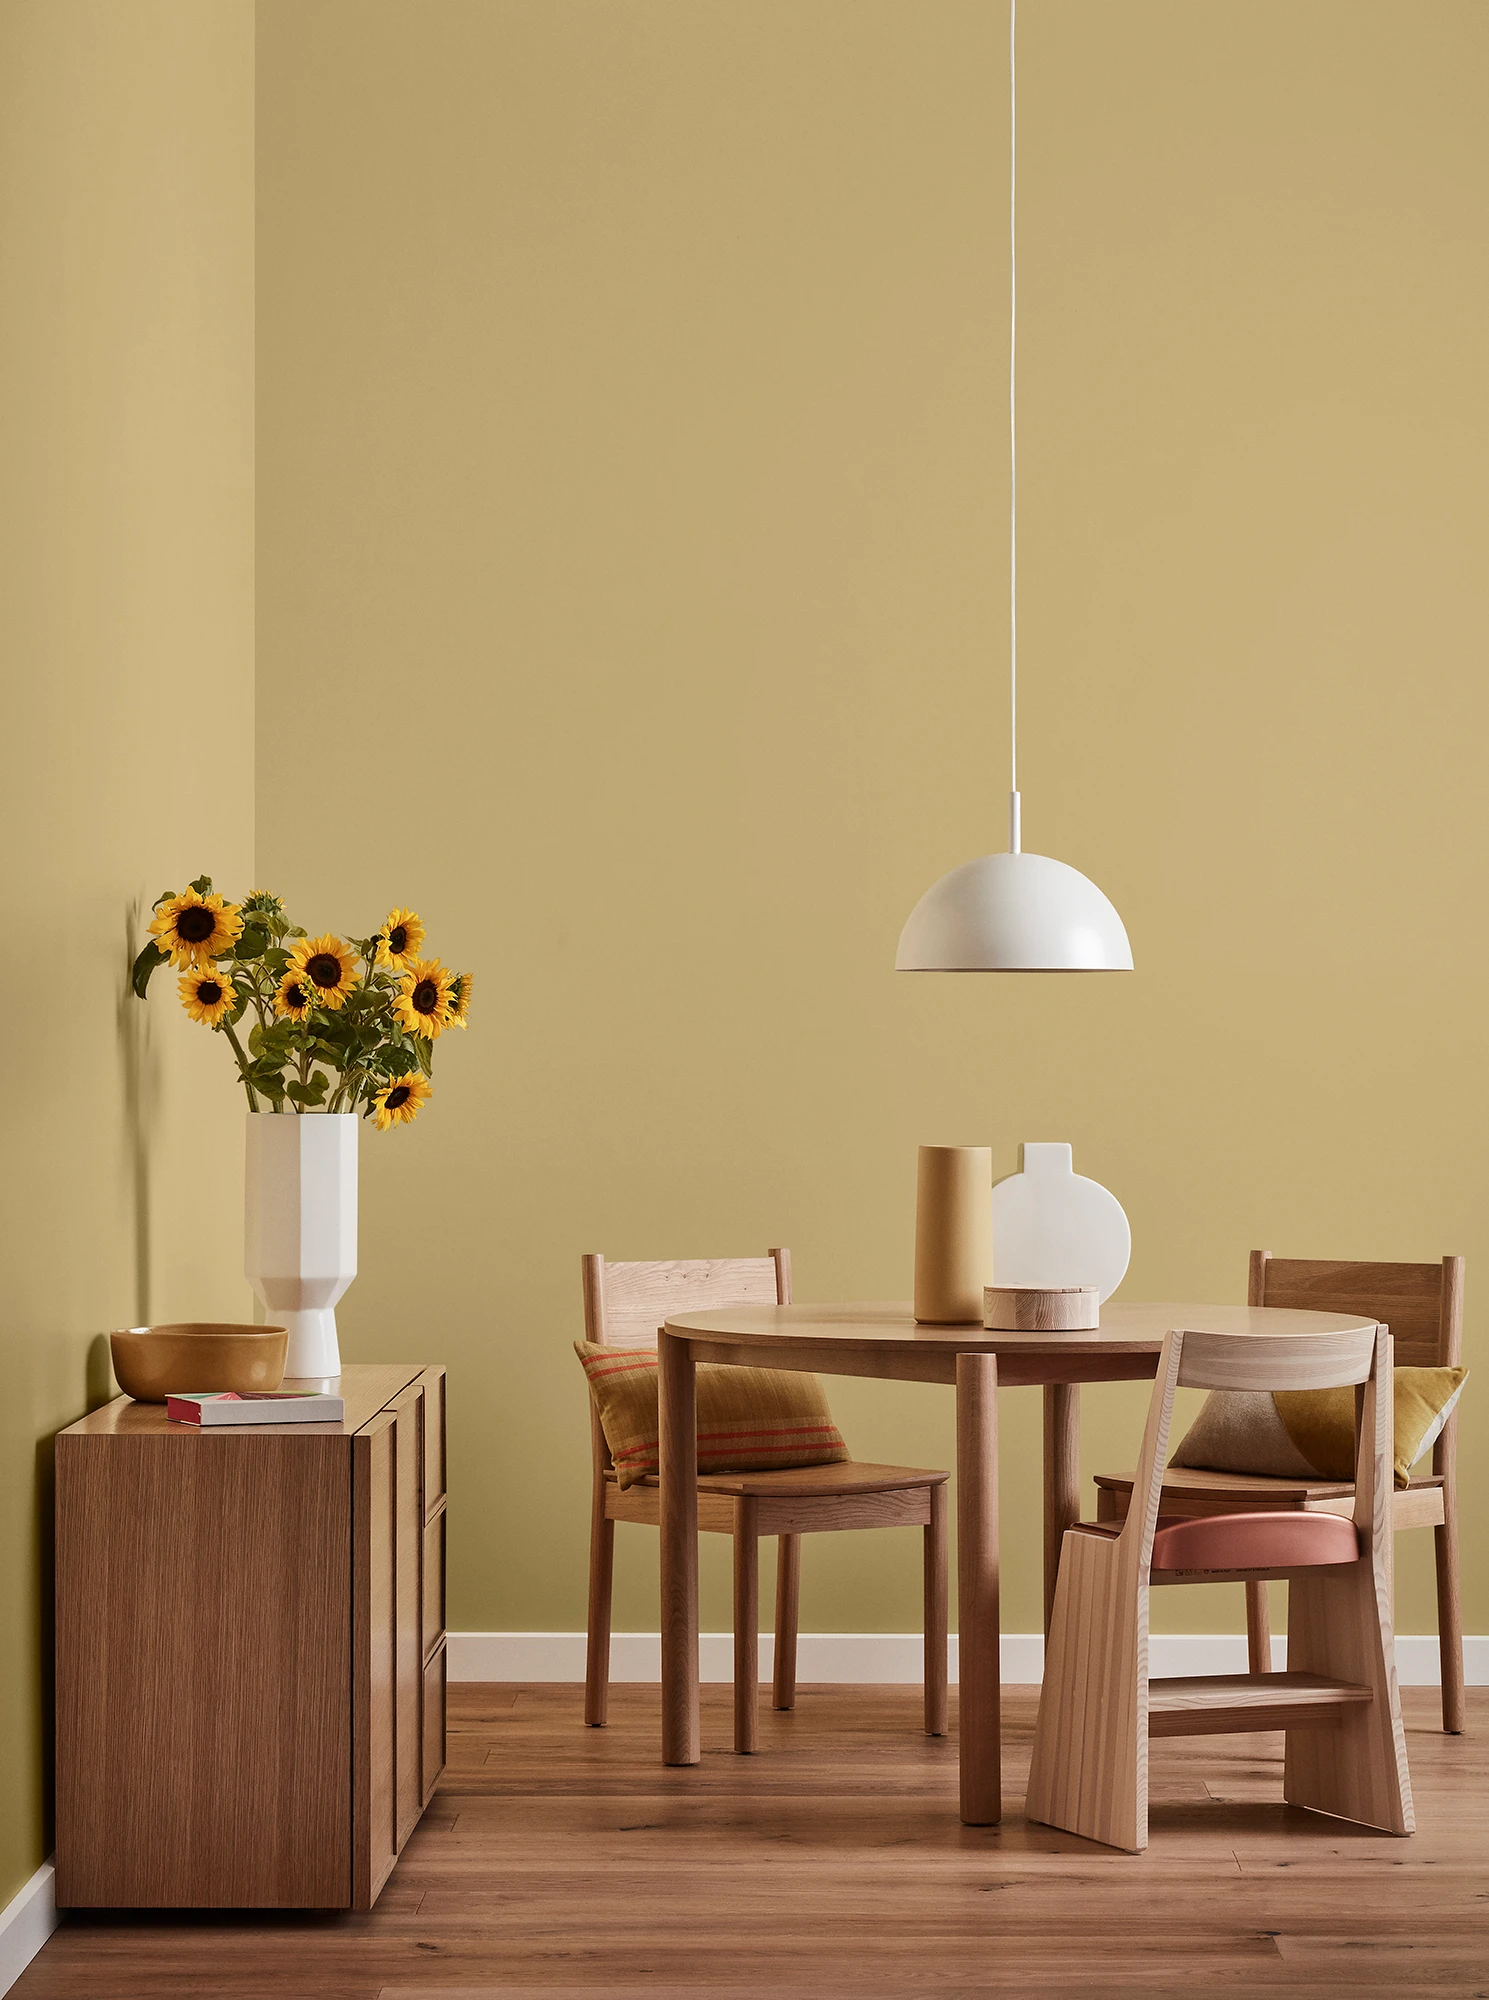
[242, 1064]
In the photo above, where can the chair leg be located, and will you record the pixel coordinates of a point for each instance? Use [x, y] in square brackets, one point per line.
[746, 1625]
[1340, 1626]
[1449, 1614]
[1258, 1629]
[597, 1645]
[788, 1591]
[937, 1614]
[1089, 1772]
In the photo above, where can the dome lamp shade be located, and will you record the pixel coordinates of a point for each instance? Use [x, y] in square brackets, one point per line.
[1013, 913]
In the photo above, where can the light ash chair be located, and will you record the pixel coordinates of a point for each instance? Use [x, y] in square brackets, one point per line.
[1338, 1701]
[624, 1306]
[1422, 1306]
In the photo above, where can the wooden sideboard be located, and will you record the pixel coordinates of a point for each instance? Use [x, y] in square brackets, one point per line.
[250, 1650]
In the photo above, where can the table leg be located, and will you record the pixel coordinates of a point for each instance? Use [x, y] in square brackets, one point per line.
[677, 1378]
[979, 1723]
[1062, 1478]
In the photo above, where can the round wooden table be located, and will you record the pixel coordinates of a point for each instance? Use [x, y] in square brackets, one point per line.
[884, 1341]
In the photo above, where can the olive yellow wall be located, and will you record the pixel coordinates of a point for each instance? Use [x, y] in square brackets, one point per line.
[632, 600]
[126, 706]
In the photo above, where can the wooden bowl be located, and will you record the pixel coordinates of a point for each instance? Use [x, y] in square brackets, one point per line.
[153, 1362]
[1030, 1309]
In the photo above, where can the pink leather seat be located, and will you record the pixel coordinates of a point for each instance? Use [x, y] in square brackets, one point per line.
[1255, 1541]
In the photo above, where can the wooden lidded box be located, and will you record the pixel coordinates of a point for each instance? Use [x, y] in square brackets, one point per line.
[250, 1650]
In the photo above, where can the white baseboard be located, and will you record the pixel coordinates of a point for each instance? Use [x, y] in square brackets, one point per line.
[26, 1922]
[884, 1657]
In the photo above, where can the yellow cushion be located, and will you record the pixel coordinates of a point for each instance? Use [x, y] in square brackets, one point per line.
[1321, 1422]
[749, 1419]
[1310, 1433]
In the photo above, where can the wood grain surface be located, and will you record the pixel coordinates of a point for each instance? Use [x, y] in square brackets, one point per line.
[250, 1668]
[203, 1662]
[363, 1390]
[558, 1862]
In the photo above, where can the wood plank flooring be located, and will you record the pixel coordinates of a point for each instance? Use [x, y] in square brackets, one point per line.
[559, 1862]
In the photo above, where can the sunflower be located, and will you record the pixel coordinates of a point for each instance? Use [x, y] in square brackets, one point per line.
[193, 930]
[424, 999]
[399, 940]
[397, 1103]
[460, 999]
[295, 998]
[327, 966]
[207, 995]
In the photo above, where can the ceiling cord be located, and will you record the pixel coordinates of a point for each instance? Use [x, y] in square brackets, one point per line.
[1013, 461]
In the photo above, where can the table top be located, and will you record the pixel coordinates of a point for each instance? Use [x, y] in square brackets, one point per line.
[1127, 1328]
[364, 1388]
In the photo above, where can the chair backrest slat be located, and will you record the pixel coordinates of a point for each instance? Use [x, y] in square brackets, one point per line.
[624, 1304]
[1283, 1361]
[1422, 1304]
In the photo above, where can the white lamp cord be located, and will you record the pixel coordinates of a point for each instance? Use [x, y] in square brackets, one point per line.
[1013, 459]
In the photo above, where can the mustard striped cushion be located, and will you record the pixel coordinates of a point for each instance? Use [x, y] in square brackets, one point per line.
[749, 1419]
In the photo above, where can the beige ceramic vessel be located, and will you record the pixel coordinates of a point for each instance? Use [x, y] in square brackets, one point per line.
[153, 1362]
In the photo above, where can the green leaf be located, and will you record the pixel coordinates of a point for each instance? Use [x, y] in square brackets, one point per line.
[145, 964]
[308, 1093]
[255, 1040]
[425, 1052]
[398, 1062]
[276, 959]
[203, 885]
[165, 896]
[252, 944]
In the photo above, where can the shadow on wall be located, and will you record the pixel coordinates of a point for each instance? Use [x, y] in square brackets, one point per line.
[46, 1631]
[140, 1084]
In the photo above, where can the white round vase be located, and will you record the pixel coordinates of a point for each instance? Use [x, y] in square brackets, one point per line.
[300, 1228]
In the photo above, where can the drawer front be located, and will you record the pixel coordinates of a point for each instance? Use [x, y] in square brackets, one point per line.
[434, 1437]
[434, 1583]
[434, 1723]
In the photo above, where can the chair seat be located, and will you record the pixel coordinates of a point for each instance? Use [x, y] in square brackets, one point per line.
[1189, 1490]
[1236, 1489]
[817, 1480]
[1291, 1540]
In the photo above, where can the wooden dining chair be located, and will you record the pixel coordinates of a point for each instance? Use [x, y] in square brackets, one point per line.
[1338, 1701]
[1422, 1305]
[624, 1306]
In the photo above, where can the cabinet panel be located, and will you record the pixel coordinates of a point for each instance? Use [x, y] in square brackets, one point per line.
[203, 1656]
[408, 1412]
[434, 1723]
[374, 1657]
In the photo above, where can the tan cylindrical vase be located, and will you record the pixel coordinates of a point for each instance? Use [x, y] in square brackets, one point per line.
[953, 1234]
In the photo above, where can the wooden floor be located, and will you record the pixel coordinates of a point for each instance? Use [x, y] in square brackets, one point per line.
[560, 1861]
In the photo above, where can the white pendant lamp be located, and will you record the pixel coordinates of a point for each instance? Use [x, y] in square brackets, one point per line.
[1013, 912]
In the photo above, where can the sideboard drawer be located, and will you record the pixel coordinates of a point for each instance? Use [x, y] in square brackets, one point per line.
[434, 1438]
[434, 1582]
[434, 1721]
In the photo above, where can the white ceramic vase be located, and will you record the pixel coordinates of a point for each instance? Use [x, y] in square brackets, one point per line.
[300, 1228]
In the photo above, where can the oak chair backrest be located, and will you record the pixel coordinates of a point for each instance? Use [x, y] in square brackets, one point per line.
[1261, 1362]
[625, 1304]
[1422, 1304]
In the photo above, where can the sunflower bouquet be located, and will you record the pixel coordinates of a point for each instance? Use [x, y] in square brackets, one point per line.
[336, 1023]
